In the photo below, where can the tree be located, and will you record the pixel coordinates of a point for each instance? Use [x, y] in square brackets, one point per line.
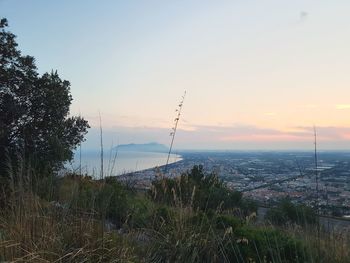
[34, 111]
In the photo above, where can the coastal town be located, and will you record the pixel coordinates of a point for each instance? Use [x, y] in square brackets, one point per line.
[267, 177]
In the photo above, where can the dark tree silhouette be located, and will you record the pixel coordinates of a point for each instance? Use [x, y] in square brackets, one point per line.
[34, 110]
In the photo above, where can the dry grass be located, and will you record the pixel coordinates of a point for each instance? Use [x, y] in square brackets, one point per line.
[32, 230]
[35, 230]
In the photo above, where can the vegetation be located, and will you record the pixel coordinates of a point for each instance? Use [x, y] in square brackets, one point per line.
[85, 220]
[34, 111]
[205, 192]
[288, 213]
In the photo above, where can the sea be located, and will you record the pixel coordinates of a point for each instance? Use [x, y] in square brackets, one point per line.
[114, 164]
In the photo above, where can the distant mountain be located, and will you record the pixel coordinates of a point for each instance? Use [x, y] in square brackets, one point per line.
[147, 147]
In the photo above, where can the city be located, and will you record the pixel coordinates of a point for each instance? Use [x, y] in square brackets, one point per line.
[266, 177]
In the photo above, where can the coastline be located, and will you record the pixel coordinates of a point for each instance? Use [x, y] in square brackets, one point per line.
[124, 163]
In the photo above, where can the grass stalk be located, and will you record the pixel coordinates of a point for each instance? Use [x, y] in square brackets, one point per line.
[173, 133]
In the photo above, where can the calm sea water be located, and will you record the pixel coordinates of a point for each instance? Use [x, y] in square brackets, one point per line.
[123, 162]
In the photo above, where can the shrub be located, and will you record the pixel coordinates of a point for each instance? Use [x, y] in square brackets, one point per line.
[185, 238]
[199, 190]
[107, 199]
[265, 245]
[140, 212]
[226, 221]
[286, 212]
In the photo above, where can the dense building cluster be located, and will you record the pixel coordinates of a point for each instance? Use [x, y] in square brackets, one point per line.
[269, 176]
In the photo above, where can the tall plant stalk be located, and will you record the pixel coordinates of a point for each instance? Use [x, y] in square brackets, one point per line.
[102, 180]
[80, 172]
[115, 156]
[317, 192]
[101, 145]
[173, 133]
[316, 171]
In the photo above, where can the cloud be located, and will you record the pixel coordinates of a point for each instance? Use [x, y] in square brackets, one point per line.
[225, 137]
[329, 133]
[342, 106]
[250, 133]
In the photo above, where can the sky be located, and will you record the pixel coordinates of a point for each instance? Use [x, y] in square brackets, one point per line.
[258, 75]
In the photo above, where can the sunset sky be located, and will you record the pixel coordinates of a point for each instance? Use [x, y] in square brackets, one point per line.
[258, 74]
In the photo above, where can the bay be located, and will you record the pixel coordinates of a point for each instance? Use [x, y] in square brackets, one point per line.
[118, 163]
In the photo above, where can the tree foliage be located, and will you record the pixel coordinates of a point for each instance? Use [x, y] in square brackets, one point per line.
[34, 110]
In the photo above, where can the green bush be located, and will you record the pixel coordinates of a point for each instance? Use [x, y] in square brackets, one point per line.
[201, 191]
[185, 238]
[226, 221]
[286, 212]
[140, 212]
[265, 245]
[108, 199]
[112, 201]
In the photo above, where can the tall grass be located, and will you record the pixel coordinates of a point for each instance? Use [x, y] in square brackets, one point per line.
[66, 224]
[61, 227]
[37, 232]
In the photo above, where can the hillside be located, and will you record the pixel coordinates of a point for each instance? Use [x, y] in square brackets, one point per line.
[191, 218]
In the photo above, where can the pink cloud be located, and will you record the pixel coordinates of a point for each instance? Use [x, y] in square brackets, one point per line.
[229, 137]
